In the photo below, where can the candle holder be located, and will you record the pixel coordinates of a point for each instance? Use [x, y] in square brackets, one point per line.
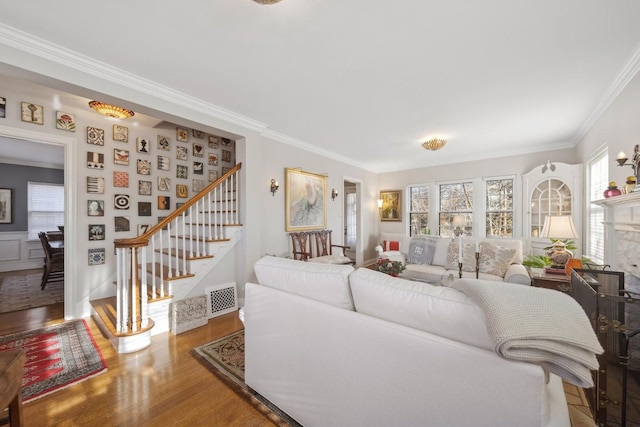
[460, 270]
[477, 265]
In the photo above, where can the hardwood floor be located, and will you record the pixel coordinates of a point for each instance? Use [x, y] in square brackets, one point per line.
[162, 385]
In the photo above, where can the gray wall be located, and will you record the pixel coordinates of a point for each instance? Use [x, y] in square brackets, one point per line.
[16, 177]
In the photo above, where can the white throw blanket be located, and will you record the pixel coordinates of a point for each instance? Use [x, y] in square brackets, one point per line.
[537, 325]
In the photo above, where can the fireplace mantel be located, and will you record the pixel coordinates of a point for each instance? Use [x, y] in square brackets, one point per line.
[622, 200]
[622, 230]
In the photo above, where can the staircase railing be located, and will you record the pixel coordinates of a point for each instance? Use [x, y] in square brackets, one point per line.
[147, 264]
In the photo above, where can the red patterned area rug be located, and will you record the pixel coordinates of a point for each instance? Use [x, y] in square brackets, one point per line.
[225, 358]
[58, 356]
[20, 292]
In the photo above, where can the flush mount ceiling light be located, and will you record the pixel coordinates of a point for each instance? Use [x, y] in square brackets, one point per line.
[267, 1]
[111, 110]
[434, 144]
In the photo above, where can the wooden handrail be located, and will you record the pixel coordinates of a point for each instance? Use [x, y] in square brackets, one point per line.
[143, 240]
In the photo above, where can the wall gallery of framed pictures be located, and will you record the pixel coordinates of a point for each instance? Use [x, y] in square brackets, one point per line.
[135, 175]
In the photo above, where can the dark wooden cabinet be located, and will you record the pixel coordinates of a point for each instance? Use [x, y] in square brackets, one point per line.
[558, 282]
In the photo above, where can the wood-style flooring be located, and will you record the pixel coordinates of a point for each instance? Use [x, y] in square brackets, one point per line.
[162, 385]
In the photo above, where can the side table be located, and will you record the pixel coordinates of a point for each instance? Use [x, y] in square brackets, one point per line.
[558, 282]
[11, 364]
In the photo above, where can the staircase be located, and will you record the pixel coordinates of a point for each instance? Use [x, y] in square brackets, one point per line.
[167, 262]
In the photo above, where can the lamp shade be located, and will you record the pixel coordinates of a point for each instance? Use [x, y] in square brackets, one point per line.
[559, 227]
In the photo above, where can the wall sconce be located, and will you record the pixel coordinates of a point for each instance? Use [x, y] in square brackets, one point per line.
[622, 161]
[334, 194]
[274, 186]
[380, 205]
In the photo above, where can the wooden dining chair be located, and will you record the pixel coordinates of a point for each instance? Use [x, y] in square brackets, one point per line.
[53, 262]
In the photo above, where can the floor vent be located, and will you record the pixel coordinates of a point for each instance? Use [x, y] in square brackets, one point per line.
[221, 299]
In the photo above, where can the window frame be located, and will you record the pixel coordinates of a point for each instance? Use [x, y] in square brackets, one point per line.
[595, 212]
[56, 217]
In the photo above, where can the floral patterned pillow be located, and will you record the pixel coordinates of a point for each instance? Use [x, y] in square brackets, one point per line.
[495, 259]
[468, 256]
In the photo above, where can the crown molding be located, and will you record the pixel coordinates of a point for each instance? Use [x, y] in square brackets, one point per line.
[626, 73]
[28, 43]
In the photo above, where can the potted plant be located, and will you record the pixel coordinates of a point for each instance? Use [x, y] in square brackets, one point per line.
[392, 268]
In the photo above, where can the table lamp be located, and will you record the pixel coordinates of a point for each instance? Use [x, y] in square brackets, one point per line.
[558, 227]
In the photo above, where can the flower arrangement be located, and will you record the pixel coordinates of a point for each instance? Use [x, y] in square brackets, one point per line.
[392, 268]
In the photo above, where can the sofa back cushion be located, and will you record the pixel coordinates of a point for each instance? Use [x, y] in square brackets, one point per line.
[510, 244]
[495, 259]
[327, 283]
[435, 309]
[421, 250]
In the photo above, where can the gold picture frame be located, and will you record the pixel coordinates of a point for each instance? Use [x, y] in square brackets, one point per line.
[391, 209]
[305, 200]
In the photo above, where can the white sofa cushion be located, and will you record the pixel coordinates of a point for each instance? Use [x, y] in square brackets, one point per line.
[396, 237]
[468, 256]
[511, 244]
[328, 283]
[442, 246]
[435, 309]
[494, 259]
[422, 249]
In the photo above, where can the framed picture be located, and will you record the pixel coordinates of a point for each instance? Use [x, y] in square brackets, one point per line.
[164, 183]
[225, 141]
[198, 150]
[182, 134]
[164, 202]
[163, 143]
[213, 159]
[163, 163]
[182, 171]
[121, 201]
[121, 223]
[391, 209]
[143, 145]
[144, 208]
[95, 160]
[197, 133]
[65, 121]
[143, 167]
[95, 207]
[120, 179]
[95, 136]
[198, 168]
[95, 185]
[305, 202]
[182, 191]
[5, 206]
[214, 141]
[96, 256]
[213, 175]
[3, 108]
[144, 188]
[226, 155]
[182, 153]
[143, 228]
[120, 133]
[121, 157]
[32, 113]
[96, 232]
[198, 185]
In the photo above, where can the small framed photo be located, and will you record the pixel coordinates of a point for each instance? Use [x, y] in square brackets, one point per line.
[65, 121]
[96, 232]
[95, 160]
[182, 153]
[144, 208]
[120, 133]
[164, 143]
[391, 209]
[213, 175]
[164, 202]
[198, 150]
[213, 159]
[143, 167]
[198, 168]
[163, 163]
[121, 179]
[182, 191]
[96, 256]
[164, 183]
[214, 141]
[95, 185]
[143, 145]
[3, 107]
[143, 228]
[121, 157]
[95, 136]
[182, 171]
[121, 223]
[198, 185]
[95, 207]
[182, 134]
[225, 142]
[144, 188]
[226, 155]
[225, 170]
[6, 206]
[121, 201]
[32, 113]
[197, 133]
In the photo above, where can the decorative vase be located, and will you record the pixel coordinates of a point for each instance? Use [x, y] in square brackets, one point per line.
[630, 185]
[612, 190]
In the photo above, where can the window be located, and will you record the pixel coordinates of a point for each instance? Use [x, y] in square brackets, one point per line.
[499, 207]
[419, 210]
[551, 197]
[45, 207]
[456, 199]
[598, 179]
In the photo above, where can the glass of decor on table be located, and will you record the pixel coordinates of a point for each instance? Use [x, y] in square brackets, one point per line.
[612, 190]
[392, 268]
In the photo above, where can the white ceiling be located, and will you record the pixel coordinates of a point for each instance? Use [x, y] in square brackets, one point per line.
[370, 80]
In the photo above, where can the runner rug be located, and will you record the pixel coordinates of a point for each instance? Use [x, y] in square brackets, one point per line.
[58, 356]
[20, 292]
[225, 358]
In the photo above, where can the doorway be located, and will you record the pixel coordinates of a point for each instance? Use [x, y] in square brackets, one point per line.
[352, 234]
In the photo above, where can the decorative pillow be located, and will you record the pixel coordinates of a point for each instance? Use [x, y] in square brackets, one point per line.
[388, 245]
[421, 250]
[495, 259]
[468, 256]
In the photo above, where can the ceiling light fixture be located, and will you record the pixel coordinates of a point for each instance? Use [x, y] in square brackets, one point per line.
[434, 144]
[111, 110]
[266, 1]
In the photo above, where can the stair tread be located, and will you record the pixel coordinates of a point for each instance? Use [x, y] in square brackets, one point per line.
[105, 309]
[180, 254]
[165, 272]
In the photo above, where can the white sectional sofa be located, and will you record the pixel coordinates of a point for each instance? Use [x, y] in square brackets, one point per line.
[500, 259]
[334, 346]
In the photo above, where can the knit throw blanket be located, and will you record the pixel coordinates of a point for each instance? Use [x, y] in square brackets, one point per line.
[537, 325]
